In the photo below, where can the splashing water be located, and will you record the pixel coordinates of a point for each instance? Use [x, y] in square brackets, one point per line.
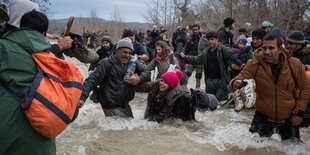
[218, 132]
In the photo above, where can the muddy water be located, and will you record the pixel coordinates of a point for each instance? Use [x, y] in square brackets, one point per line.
[220, 132]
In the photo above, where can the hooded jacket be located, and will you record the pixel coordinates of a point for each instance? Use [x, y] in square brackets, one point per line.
[17, 8]
[17, 71]
[303, 54]
[277, 100]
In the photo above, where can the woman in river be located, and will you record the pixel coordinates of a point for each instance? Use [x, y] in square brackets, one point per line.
[167, 99]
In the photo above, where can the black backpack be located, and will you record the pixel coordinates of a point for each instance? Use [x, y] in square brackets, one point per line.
[184, 108]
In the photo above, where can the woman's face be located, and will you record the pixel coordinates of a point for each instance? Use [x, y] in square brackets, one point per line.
[159, 50]
[163, 86]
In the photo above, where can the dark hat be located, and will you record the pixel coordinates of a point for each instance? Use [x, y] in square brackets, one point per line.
[106, 38]
[228, 22]
[277, 31]
[241, 38]
[124, 43]
[296, 37]
[243, 30]
[259, 33]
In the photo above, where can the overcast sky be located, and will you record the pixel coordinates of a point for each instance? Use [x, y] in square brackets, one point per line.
[130, 10]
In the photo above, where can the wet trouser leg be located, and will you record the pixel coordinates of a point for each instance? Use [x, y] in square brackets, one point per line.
[287, 131]
[261, 126]
[217, 88]
[264, 128]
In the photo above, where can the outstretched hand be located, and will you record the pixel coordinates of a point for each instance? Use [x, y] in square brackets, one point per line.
[133, 79]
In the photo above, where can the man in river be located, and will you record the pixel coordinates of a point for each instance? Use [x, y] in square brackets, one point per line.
[279, 106]
[115, 93]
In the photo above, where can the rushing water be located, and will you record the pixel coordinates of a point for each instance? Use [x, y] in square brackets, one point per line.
[221, 132]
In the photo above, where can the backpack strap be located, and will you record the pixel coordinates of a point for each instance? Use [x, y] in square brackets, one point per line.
[256, 71]
[292, 70]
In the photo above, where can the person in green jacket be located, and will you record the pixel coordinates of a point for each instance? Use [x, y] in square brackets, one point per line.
[17, 71]
[216, 59]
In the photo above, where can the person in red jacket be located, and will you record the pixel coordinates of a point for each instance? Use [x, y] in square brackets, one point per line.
[279, 107]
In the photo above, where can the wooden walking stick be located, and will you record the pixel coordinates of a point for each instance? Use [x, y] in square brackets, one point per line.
[69, 25]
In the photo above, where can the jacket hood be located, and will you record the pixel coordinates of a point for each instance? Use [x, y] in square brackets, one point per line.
[305, 50]
[28, 39]
[17, 8]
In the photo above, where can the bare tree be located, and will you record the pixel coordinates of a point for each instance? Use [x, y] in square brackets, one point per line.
[187, 15]
[44, 4]
[117, 25]
[153, 12]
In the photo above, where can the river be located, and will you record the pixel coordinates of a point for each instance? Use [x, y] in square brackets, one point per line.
[221, 132]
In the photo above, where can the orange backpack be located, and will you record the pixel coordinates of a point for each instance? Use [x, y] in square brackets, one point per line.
[51, 102]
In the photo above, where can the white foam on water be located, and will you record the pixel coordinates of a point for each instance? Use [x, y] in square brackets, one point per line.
[221, 130]
[236, 134]
[81, 150]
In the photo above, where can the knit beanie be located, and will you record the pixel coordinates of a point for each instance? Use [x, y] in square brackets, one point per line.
[172, 78]
[277, 31]
[124, 43]
[228, 22]
[241, 38]
[106, 38]
[17, 8]
[296, 37]
[259, 33]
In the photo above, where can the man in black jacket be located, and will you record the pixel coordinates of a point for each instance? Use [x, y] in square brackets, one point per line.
[104, 52]
[224, 34]
[115, 94]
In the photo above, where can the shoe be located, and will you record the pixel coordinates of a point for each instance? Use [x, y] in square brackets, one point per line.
[249, 93]
[79, 51]
[238, 99]
[94, 97]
